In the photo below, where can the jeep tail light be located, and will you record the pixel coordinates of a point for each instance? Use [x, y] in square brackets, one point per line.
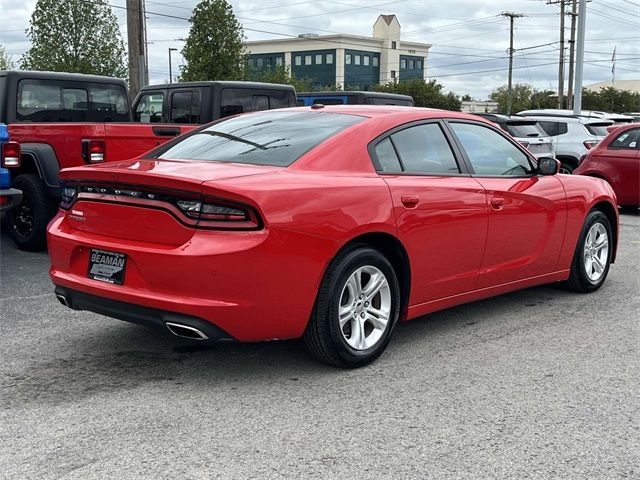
[11, 154]
[93, 151]
[589, 144]
[218, 213]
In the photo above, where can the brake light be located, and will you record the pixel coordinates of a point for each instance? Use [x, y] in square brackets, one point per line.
[68, 197]
[220, 213]
[11, 154]
[589, 144]
[93, 151]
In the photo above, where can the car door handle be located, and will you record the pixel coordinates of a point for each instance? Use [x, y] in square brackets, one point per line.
[166, 132]
[409, 201]
[497, 202]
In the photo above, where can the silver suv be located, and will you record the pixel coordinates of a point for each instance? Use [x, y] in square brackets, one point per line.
[572, 136]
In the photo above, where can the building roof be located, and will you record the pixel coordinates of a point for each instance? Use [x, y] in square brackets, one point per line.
[388, 18]
[630, 85]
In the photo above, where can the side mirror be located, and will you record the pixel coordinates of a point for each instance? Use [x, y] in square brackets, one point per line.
[548, 166]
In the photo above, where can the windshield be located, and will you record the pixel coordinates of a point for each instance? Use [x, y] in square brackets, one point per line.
[525, 130]
[599, 129]
[266, 138]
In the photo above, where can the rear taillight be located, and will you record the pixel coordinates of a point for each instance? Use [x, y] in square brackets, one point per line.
[220, 213]
[589, 144]
[11, 154]
[68, 197]
[93, 151]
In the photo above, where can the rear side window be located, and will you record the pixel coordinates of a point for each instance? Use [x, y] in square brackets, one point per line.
[424, 149]
[388, 161]
[553, 129]
[387, 101]
[267, 138]
[149, 108]
[64, 101]
[329, 101]
[627, 140]
[240, 100]
[185, 107]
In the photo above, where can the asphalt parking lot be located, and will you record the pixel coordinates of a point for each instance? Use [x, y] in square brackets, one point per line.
[540, 383]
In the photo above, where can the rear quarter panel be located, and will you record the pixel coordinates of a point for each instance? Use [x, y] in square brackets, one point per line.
[583, 194]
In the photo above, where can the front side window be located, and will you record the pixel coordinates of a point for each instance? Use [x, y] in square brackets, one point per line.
[489, 152]
[628, 140]
[185, 107]
[424, 149]
[265, 138]
[149, 108]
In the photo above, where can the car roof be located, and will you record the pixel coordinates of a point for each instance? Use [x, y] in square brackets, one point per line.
[221, 83]
[570, 119]
[377, 111]
[61, 76]
[338, 93]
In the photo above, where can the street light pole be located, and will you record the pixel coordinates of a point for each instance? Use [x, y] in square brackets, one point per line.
[170, 73]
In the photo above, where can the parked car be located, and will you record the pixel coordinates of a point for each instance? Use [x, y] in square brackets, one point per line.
[327, 223]
[203, 102]
[354, 98]
[613, 117]
[65, 120]
[616, 159]
[9, 156]
[526, 131]
[572, 136]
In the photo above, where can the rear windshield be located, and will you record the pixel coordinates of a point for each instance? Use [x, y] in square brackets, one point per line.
[69, 101]
[525, 130]
[268, 138]
[599, 129]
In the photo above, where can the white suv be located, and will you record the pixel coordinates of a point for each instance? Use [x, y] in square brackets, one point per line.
[572, 136]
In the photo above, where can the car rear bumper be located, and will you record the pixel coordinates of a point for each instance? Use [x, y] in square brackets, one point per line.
[149, 317]
[253, 286]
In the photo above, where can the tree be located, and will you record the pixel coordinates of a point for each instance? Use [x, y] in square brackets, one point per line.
[281, 74]
[524, 97]
[425, 94]
[75, 36]
[611, 99]
[5, 59]
[215, 46]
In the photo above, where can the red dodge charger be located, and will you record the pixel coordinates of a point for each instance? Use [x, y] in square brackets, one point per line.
[327, 223]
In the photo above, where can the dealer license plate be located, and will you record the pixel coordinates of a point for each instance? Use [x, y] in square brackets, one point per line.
[107, 266]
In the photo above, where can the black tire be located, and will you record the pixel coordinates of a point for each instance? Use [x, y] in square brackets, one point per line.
[27, 221]
[566, 168]
[579, 280]
[323, 336]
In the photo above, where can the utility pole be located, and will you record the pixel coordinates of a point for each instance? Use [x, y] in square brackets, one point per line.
[562, 4]
[170, 72]
[572, 53]
[136, 46]
[511, 16]
[582, 19]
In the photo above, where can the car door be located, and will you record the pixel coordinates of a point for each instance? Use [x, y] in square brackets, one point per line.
[527, 212]
[620, 163]
[440, 210]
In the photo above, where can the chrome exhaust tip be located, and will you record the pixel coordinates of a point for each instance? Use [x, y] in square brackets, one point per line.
[62, 299]
[185, 331]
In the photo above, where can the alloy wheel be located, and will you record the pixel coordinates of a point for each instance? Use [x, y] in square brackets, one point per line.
[596, 252]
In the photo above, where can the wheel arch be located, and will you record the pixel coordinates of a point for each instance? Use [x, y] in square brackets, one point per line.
[40, 159]
[612, 215]
[573, 161]
[393, 249]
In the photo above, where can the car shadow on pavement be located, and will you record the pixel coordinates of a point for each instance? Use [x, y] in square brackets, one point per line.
[105, 356]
